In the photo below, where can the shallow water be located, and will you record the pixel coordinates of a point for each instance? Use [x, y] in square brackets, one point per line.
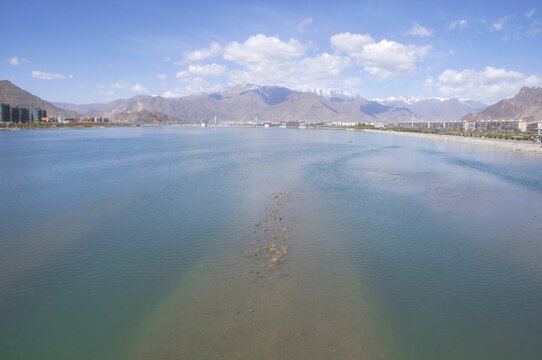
[144, 243]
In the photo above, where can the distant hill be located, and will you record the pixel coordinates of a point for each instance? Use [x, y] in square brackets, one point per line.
[13, 94]
[274, 103]
[246, 102]
[434, 108]
[143, 117]
[526, 105]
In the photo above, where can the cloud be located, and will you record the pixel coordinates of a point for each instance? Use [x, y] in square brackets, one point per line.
[418, 30]
[350, 43]
[308, 72]
[352, 82]
[534, 28]
[188, 90]
[14, 61]
[161, 76]
[498, 26]
[385, 59]
[263, 49]
[304, 25]
[488, 85]
[138, 88]
[530, 13]
[212, 51]
[458, 24]
[46, 76]
[120, 85]
[100, 86]
[202, 71]
[167, 59]
[174, 93]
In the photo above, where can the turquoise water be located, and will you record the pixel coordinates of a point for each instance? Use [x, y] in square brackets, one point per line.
[144, 243]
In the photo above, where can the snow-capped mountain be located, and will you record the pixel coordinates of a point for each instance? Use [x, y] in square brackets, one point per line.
[329, 93]
[434, 108]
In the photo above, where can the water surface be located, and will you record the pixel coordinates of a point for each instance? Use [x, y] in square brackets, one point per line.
[176, 242]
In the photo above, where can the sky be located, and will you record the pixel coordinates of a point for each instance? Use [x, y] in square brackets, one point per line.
[98, 51]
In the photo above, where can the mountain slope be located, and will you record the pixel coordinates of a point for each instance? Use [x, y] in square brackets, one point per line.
[13, 94]
[146, 117]
[434, 108]
[526, 105]
[273, 103]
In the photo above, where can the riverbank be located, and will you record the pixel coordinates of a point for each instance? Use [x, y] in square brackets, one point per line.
[53, 125]
[511, 145]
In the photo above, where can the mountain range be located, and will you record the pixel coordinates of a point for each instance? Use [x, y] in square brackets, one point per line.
[12, 94]
[273, 103]
[526, 105]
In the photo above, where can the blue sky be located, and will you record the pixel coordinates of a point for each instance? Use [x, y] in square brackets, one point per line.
[84, 52]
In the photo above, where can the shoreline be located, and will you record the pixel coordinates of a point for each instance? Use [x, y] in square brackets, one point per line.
[511, 145]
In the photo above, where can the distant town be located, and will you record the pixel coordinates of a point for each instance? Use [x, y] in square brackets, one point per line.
[10, 113]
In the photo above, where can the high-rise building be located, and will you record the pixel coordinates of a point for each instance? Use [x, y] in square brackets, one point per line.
[5, 112]
[38, 114]
[15, 114]
[25, 115]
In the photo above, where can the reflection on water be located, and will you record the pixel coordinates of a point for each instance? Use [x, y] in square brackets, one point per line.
[266, 243]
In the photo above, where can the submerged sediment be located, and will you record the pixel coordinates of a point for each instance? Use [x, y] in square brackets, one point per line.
[263, 301]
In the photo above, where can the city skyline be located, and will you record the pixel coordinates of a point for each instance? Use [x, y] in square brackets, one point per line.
[99, 52]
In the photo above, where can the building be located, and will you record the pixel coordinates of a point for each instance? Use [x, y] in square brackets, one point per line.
[15, 114]
[38, 114]
[25, 115]
[484, 126]
[5, 112]
[20, 114]
[534, 128]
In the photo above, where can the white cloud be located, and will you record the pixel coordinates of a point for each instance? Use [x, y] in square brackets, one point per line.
[100, 86]
[350, 43]
[498, 26]
[530, 13]
[175, 93]
[46, 76]
[384, 59]
[202, 71]
[161, 76]
[138, 88]
[418, 30]
[534, 28]
[458, 24]
[488, 85]
[212, 51]
[304, 25]
[120, 85]
[263, 49]
[352, 82]
[309, 72]
[188, 90]
[14, 61]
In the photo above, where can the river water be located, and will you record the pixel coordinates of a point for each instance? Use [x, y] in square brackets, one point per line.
[242, 243]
